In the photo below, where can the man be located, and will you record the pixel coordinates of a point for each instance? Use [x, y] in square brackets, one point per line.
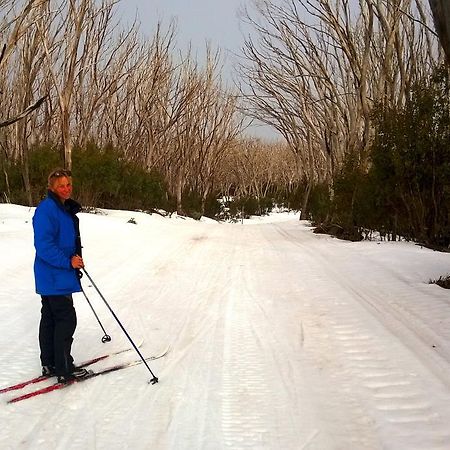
[56, 270]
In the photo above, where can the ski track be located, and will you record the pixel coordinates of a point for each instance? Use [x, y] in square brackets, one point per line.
[399, 391]
[302, 362]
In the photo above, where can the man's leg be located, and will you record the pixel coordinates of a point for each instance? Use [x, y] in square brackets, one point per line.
[46, 334]
[65, 320]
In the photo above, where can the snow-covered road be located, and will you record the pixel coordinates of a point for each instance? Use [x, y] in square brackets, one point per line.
[279, 339]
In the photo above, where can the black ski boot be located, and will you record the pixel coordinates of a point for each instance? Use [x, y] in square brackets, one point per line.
[76, 374]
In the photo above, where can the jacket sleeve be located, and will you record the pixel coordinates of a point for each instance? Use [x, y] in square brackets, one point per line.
[45, 241]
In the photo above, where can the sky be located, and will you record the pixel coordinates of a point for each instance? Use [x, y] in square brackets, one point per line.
[277, 339]
[198, 22]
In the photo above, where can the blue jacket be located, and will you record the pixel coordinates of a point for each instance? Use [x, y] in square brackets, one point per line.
[56, 239]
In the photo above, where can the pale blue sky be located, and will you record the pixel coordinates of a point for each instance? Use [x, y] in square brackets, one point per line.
[198, 21]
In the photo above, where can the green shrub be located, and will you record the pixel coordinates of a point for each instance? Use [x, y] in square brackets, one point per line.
[410, 163]
[320, 202]
[43, 160]
[244, 207]
[291, 198]
[16, 192]
[212, 206]
[102, 179]
[266, 205]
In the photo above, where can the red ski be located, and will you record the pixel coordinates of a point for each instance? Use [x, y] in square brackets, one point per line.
[58, 386]
[40, 378]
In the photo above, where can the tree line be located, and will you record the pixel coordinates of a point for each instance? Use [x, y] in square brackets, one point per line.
[358, 91]
[112, 102]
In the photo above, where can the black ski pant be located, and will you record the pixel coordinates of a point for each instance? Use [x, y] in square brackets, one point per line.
[56, 329]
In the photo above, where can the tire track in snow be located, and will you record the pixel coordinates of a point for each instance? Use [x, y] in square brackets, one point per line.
[399, 400]
[392, 309]
[188, 375]
[399, 391]
[269, 401]
[331, 387]
[244, 388]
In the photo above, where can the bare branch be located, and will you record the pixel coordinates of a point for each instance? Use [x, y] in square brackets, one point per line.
[23, 114]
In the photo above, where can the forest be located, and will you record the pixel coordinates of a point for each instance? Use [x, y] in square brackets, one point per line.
[357, 91]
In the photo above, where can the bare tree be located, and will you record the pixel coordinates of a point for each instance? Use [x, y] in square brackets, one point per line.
[283, 73]
[162, 110]
[23, 114]
[314, 70]
[20, 26]
[16, 27]
[254, 168]
[28, 67]
[110, 63]
[164, 91]
[216, 127]
[441, 15]
[70, 32]
[24, 45]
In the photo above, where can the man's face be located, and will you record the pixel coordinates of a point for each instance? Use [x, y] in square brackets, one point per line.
[62, 187]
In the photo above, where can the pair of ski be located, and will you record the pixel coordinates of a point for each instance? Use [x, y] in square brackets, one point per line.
[58, 386]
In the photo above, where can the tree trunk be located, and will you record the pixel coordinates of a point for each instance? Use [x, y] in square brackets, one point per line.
[441, 11]
[304, 213]
[6, 194]
[179, 194]
[204, 197]
[26, 178]
[65, 135]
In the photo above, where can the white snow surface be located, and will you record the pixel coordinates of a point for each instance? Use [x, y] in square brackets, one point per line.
[279, 339]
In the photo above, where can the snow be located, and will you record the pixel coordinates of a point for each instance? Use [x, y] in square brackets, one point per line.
[279, 339]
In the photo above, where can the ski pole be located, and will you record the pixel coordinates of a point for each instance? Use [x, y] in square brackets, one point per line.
[106, 337]
[154, 380]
